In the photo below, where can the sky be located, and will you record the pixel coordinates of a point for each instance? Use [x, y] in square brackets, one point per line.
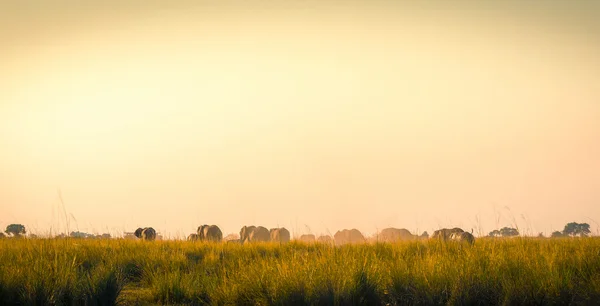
[316, 117]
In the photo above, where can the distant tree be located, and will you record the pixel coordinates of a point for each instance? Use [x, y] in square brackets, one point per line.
[540, 235]
[16, 230]
[574, 229]
[504, 232]
[495, 233]
[557, 234]
[98, 236]
[80, 235]
[509, 232]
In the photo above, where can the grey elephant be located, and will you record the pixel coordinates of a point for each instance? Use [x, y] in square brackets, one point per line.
[193, 237]
[254, 234]
[348, 236]
[463, 237]
[281, 235]
[325, 239]
[444, 233]
[395, 234]
[209, 233]
[309, 238]
[146, 233]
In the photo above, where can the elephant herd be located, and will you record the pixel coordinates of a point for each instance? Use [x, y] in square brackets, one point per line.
[253, 233]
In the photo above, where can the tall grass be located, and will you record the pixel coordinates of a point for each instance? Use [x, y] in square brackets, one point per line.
[491, 272]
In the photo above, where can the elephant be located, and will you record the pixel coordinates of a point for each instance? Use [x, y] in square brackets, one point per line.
[348, 236]
[210, 233]
[444, 233]
[146, 233]
[254, 234]
[325, 239]
[193, 237]
[395, 234]
[280, 235]
[463, 236]
[308, 238]
[246, 231]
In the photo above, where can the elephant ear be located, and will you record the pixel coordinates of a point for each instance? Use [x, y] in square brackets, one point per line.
[138, 232]
[200, 231]
[244, 233]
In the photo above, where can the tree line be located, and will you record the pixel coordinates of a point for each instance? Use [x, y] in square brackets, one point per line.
[572, 229]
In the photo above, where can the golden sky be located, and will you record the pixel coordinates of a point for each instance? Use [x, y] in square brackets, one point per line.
[310, 116]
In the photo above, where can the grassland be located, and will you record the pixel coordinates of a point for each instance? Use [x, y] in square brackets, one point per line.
[492, 272]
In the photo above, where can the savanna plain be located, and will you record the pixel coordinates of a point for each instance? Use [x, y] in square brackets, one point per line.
[492, 271]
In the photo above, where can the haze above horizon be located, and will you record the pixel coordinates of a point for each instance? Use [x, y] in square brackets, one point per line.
[299, 114]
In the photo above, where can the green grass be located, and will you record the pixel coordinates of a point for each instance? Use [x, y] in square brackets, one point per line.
[491, 272]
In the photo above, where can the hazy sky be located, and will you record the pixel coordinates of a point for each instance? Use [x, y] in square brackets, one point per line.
[309, 116]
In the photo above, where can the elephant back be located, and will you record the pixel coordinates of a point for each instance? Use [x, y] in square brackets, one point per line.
[356, 236]
[309, 238]
[441, 234]
[245, 233]
[260, 233]
[341, 237]
[213, 233]
[463, 237]
[280, 235]
[209, 233]
[138, 232]
[395, 234]
[200, 231]
[324, 239]
[445, 233]
[149, 234]
[348, 236]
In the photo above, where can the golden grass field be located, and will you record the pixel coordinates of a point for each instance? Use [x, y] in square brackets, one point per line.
[518, 271]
